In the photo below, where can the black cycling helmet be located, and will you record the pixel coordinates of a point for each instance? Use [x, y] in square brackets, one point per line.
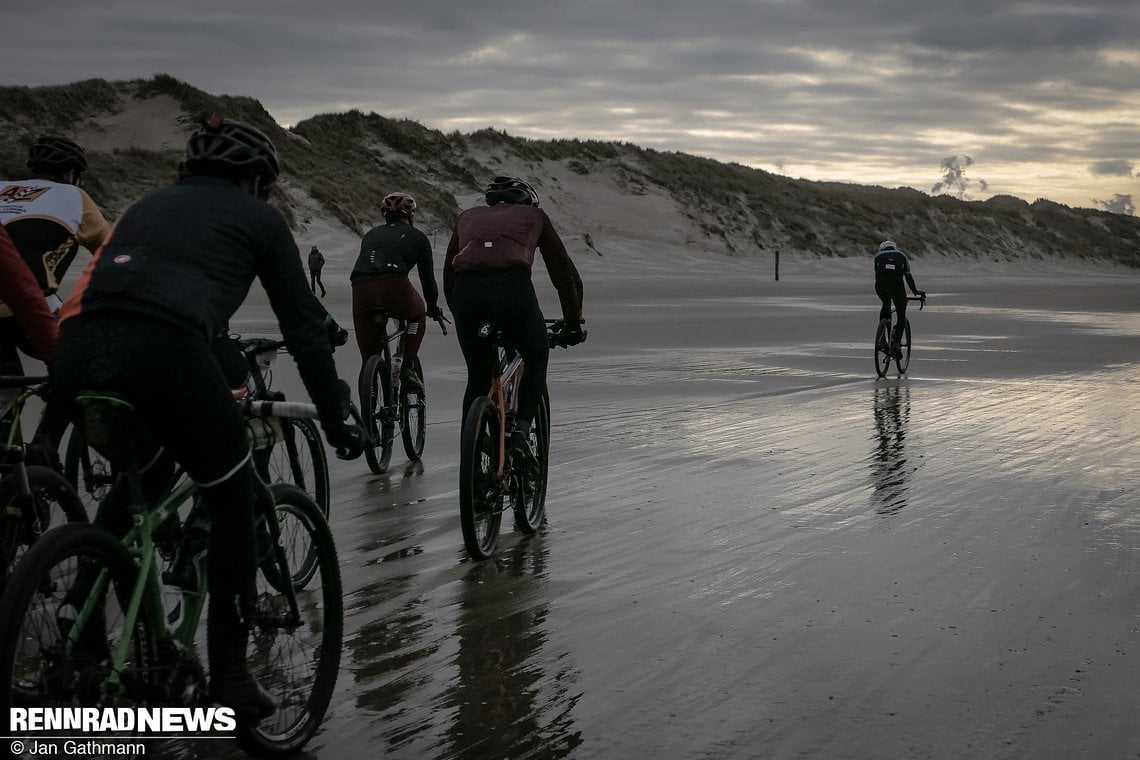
[232, 149]
[55, 153]
[510, 190]
[398, 204]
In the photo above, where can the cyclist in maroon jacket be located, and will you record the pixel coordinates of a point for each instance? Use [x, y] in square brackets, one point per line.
[486, 278]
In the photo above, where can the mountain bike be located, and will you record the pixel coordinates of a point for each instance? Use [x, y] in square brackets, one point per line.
[83, 623]
[285, 450]
[33, 498]
[386, 401]
[493, 479]
[883, 353]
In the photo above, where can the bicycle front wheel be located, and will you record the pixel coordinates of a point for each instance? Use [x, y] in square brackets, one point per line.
[300, 459]
[883, 348]
[27, 517]
[294, 646]
[903, 362]
[480, 497]
[413, 415]
[528, 493]
[375, 403]
[51, 653]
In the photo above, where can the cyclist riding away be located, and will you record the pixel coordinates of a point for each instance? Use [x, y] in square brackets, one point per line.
[486, 278]
[139, 324]
[380, 280]
[48, 217]
[891, 267]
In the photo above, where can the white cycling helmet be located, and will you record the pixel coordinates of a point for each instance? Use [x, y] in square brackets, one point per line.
[887, 245]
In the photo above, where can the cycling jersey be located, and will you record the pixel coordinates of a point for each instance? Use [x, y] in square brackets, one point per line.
[891, 263]
[187, 254]
[505, 236]
[393, 250]
[48, 221]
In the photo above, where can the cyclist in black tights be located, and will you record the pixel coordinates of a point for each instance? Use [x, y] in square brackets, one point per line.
[891, 267]
[139, 323]
[486, 277]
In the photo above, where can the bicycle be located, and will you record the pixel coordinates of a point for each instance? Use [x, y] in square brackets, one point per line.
[299, 459]
[386, 401]
[490, 479]
[107, 640]
[32, 497]
[883, 354]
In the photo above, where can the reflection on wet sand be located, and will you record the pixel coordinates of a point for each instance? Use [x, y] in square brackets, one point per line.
[511, 698]
[888, 459]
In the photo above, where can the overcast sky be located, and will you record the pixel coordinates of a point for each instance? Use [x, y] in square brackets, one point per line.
[1033, 98]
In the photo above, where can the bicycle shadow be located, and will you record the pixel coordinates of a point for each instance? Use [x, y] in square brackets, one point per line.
[890, 466]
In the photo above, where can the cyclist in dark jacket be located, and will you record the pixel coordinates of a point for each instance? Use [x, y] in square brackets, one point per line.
[388, 253]
[486, 277]
[177, 266]
[891, 267]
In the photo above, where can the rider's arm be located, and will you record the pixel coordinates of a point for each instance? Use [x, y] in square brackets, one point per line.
[22, 294]
[93, 228]
[448, 270]
[910, 281]
[563, 273]
[427, 275]
[301, 317]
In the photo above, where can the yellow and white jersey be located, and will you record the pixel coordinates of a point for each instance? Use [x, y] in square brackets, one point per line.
[48, 221]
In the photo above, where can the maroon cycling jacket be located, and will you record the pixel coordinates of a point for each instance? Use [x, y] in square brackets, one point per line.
[22, 294]
[505, 236]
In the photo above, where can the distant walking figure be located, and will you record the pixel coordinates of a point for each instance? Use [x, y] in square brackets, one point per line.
[316, 263]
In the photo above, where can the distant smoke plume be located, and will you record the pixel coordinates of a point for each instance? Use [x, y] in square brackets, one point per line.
[954, 181]
[1119, 204]
[1117, 167]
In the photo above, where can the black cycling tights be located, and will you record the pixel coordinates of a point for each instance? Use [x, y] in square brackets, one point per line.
[505, 298]
[182, 398]
[892, 291]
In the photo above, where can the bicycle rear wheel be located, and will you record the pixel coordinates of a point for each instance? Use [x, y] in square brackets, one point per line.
[295, 656]
[375, 403]
[528, 494]
[883, 348]
[39, 609]
[87, 470]
[903, 362]
[413, 415]
[300, 459]
[480, 498]
[25, 519]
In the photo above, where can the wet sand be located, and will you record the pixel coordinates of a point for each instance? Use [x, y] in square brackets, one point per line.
[755, 549]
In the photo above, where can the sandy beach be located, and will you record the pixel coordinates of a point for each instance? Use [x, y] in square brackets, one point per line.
[755, 549]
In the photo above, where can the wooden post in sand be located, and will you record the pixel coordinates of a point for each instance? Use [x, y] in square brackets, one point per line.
[777, 265]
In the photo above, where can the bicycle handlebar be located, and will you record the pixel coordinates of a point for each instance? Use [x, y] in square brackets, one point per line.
[20, 381]
[298, 409]
[921, 301]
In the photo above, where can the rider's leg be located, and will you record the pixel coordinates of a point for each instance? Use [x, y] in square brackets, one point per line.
[364, 299]
[900, 315]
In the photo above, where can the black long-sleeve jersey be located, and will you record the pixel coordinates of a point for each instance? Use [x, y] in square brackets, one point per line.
[187, 254]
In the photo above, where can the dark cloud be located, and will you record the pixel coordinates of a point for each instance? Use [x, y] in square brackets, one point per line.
[809, 85]
[1118, 167]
